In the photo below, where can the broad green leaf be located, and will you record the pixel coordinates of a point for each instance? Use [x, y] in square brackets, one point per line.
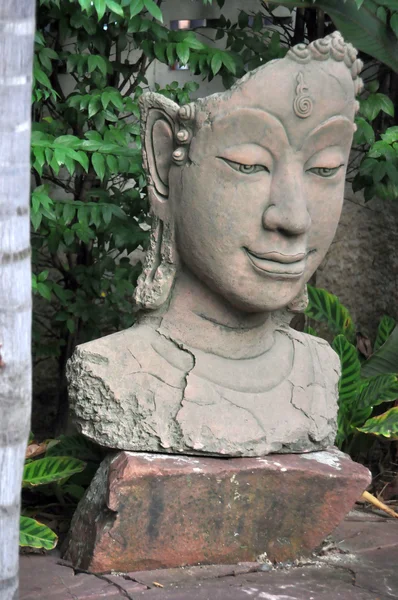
[99, 164]
[385, 359]
[171, 53]
[160, 51]
[49, 470]
[364, 132]
[386, 104]
[326, 308]
[115, 7]
[229, 62]
[350, 371]
[382, 14]
[243, 19]
[82, 158]
[112, 163]
[153, 9]
[380, 171]
[381, 148]
[183, 52]
[94, 106]
[42, 276]
[85, 4]
[394, 23]
[68, 213]
[390, 135]
[100, 7]
[216, 62]
[385, 425]
[376, 390]
[70, 141]
[76, 446]
[44, 291]
[384, 330]
[136, 7]
[36, 535]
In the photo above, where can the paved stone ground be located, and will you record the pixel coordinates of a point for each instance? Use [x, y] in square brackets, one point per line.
[358, 563]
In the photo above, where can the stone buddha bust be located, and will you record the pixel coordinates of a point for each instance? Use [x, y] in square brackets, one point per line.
[246, 189]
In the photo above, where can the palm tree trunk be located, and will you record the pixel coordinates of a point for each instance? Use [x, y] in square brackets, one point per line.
[16, 52]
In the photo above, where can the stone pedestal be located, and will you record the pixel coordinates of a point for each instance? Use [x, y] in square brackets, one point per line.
[149, 511]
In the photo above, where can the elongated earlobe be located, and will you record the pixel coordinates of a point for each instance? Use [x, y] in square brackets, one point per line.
[159, 124]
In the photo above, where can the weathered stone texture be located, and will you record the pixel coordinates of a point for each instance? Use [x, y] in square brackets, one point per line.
[139, 390]
[146, 511]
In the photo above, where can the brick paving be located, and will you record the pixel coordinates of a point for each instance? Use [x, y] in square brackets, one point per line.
[359, 563]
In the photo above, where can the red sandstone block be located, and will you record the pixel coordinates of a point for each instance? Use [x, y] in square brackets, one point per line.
[148, 511]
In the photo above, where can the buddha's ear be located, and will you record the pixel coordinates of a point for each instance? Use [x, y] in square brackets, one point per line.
[158, 126]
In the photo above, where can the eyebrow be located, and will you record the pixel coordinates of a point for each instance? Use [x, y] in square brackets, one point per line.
[255, 111]
[323, 127]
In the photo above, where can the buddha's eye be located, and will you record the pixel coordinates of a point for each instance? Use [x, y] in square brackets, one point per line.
[325, 171]
[246, 169]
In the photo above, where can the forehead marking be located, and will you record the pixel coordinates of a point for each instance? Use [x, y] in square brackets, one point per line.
[302, 104]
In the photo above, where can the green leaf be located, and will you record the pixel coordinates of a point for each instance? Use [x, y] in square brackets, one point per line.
[112, 163]
[82, 158]
[386, 104]
[379, 171]
[390, 135]
[394, 23]
[243, 19]
[385, 359]
[42, 276]
[160, 51]
[376, 390]
[136, 7]
[85, 4]
[183, 52]
[76, 446]
[49, 470]
[385, 425]
[382, 14]
[381, 148]
[364, 130]
[99, 164]
[216, 62]
[36, 535]
[68, 212]
[44, 291]
[326, 308]
[229, 62]
[350, 370]
[115, 7]
[153, 9]
[385, 329]
[100, 7]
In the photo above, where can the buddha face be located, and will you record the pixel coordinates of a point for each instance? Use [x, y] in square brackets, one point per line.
[257, 204]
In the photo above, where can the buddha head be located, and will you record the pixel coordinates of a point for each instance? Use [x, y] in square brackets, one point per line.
[246, 186]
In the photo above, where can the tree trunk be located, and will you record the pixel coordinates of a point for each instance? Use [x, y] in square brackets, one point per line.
[16, 52]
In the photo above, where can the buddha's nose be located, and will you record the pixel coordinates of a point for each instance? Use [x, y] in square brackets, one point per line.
[286, 210]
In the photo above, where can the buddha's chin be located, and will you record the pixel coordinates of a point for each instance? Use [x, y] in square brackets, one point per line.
[276, 295]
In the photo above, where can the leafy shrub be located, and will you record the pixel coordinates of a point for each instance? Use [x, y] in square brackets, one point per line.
[364, 384]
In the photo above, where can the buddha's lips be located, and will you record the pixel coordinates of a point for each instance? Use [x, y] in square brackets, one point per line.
[278, 264]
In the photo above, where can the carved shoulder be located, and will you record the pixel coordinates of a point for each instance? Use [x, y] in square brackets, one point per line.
[325, 361]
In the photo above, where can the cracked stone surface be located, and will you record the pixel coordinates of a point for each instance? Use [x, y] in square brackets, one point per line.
[146, 511]
[140, 390]
[359, 565]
